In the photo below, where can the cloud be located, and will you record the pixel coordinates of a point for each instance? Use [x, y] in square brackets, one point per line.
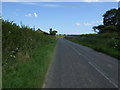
[99, 21]
[41, 4]
[92, 23]
[28, 15]
[35, 14]
[29, 3]
[51, 5]
[31, 15]
[87, 24]
[77, 24]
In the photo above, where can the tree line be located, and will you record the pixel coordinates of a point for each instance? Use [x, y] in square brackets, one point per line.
[111, 22]
[51, 32]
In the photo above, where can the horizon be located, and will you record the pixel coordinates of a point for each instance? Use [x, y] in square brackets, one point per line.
[65, 17]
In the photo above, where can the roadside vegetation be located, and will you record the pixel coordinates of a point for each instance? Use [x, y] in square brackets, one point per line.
[107, 39]
[26, 54]
[61, 35]
[106, 43]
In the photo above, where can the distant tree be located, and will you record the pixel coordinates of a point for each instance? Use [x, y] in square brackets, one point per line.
[39, 29]
[46, 33]
[52, 32]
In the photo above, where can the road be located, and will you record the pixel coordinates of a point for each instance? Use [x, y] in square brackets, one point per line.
[77, 66]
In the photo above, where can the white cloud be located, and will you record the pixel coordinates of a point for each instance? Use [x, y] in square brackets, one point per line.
[77, 24]
[99, 21]
[29, 3]
[41, 4]
[87, 24]
[31, 15]
[28, 15]
[35, 14]
[92, 23]
[51, 5]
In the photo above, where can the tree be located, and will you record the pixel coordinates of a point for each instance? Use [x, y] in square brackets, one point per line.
[111, 22]
[52, 32]
[110, 28]
[99, 29]
[118, 20]
[110, 17]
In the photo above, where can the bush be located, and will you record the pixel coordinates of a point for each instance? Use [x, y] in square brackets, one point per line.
[24, 40]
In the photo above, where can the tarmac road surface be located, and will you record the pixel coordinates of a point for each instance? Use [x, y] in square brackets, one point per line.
[77, 66]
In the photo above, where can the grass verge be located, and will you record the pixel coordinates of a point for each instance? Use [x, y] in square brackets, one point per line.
[26, 54]
[107, 43]
[29, 73]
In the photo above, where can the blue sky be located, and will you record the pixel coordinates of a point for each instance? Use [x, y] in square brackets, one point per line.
[65, 17]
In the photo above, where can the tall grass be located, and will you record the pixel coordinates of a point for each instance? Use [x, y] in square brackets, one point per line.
[107, 43]
[26, 56]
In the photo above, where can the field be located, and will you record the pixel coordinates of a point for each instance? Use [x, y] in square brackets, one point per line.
[107, 43]
[26, 56]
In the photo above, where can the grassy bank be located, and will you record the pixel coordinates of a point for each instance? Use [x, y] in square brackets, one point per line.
[29, 73]
[26, 56]
[107, 43]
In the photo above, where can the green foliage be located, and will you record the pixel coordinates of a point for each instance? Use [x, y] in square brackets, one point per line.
[99, 29]
[52, 32]
[26, 55]
[110, 17]
[105, 29]
[111, 22]
[61, 35]
[29, 73]
[25, 39]
[107, 43]
[118, 19]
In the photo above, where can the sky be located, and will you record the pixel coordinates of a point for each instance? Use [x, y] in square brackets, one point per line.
[60, 0]
[65, 17]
